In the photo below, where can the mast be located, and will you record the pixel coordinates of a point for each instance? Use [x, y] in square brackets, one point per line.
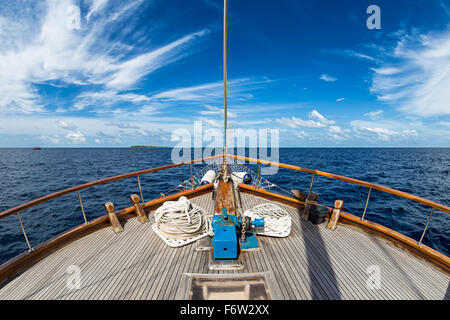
[225, 9]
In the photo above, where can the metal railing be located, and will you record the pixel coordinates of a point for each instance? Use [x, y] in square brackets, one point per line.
[17, 210]
[433, 205]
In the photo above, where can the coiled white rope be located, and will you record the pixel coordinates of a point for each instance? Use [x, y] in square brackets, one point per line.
[277, 222]
[180, 222]
[209, 228]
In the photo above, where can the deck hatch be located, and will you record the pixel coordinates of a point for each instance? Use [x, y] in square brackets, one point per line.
[246, 286]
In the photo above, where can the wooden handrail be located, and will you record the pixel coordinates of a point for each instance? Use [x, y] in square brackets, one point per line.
[125, 211]
[399, 193]
[46, 198]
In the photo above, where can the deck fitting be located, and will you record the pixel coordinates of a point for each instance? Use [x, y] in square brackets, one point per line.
[225, 265]
[115, 223]
[140, 213]
[311, 199]
[332, 223]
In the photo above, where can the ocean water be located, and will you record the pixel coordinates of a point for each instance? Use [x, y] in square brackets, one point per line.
[26, 175]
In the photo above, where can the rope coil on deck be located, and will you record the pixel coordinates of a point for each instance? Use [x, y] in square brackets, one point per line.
[180, 222]
[277, 222]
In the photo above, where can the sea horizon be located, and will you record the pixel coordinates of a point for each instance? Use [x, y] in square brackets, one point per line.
[27, 174]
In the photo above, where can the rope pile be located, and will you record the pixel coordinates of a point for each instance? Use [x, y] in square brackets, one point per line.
[277, 222]
[180, 222]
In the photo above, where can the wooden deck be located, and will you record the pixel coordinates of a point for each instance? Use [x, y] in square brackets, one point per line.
[312, 263]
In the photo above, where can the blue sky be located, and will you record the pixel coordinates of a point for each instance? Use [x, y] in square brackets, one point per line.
[132, 72]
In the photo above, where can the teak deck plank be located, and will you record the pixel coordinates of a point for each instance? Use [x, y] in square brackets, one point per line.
[312, 263]
[225, 198]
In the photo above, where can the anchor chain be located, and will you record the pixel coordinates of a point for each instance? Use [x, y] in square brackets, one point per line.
[244, 226]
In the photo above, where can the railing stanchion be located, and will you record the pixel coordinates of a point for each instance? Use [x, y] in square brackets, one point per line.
[367, 203]
[192, 178]
[140, 189]
[426, 227]
[24, 233]
[311, 185]
[82, 208]
[259, 175]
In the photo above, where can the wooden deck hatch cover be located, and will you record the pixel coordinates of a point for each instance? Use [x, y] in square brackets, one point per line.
[244, 286]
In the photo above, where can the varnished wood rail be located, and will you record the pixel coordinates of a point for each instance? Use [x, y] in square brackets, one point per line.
[18, 209]
[402, 241]
[25, 259]
[35, 202]
[14, 266]
[399, 193]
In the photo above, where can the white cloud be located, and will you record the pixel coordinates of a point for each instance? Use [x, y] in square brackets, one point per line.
[76, 137]
[211, 110]
[415, 74]
[114, 96]
[316, 115]
[97, 5]
[144, 111]
[67, 125]
[379, 132]
[383, 131]
[123, 125]
[386, 71]
[362, 56]
[338, 134]
[340, 99]
[97, 99]
[444, 123]
[41, 49]
[337, 130]
[302, 134]
[212, 122]
[191, 93]
[213, 91]
[327, 78]
[294, 122]
[51, 139]
[108, 130]
[128, 73]
[374, 114]
[350, 53]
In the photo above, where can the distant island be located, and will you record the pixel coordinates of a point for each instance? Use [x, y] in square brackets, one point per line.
[147, 147]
